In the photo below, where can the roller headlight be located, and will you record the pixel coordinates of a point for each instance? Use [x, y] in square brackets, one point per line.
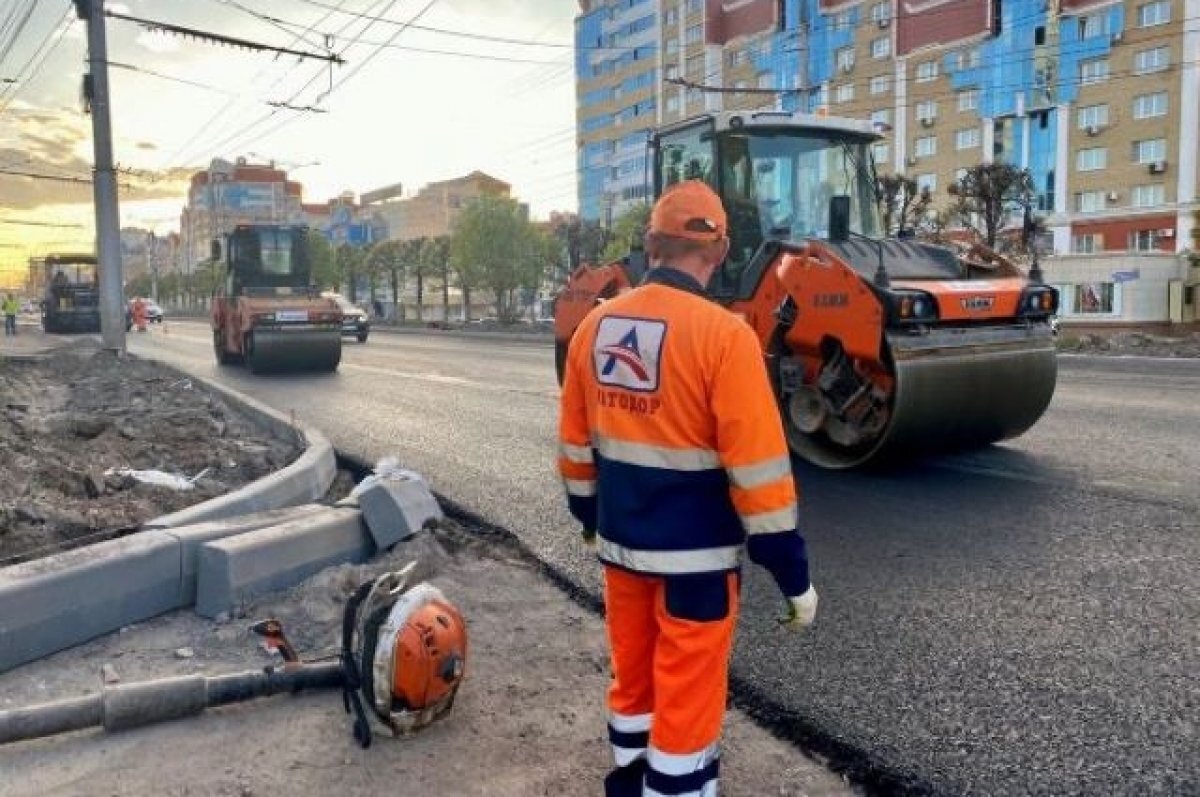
[1039, 300]
[913, 307]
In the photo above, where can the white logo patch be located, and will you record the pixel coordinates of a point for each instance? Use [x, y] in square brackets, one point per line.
[627, 352]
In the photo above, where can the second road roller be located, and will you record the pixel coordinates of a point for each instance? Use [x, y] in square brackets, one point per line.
[877, 346]
[266, 312]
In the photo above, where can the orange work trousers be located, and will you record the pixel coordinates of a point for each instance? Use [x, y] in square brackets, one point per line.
[670, 639]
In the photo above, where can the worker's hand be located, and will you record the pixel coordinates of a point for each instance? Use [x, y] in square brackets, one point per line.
[802, 610]
[589, 537]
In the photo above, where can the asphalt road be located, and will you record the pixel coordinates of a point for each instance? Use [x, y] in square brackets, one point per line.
[1020, 620]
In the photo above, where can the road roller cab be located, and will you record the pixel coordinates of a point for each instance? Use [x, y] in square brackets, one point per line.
[265, 310]
[875, 345]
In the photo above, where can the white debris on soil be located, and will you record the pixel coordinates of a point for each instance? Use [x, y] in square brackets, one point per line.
[82, 431]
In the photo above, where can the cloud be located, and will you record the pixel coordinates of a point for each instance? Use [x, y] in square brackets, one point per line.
[148, 145]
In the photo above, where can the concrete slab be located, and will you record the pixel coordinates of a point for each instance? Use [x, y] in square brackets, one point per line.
[53, 603]
[396, 508]
[192, 537]
[235, 569]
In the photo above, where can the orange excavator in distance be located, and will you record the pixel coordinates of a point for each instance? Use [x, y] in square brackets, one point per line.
[266, 312]
[877, 347]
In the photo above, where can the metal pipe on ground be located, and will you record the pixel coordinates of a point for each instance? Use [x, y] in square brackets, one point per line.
[146, 702]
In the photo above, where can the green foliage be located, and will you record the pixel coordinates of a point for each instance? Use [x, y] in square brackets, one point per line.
[320, 255]
[494, 246]
[627, 232]
[350, 262]
[902, 205]
[987, 196]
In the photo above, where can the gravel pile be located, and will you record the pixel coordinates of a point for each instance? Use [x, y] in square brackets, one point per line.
[1132, 343]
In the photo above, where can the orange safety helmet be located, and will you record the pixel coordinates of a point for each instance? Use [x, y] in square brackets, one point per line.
[405, 649]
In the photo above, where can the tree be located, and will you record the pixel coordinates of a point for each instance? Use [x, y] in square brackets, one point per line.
[987, 196]
[387, 257]
[350, 262]
[627, 232]
[494, 245]
[321, 262]
[435, 259]
[902, 204]
[410, 253]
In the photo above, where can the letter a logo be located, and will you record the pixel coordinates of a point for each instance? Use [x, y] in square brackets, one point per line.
[627, 352]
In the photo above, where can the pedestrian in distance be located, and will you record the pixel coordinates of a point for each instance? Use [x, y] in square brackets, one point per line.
[139, 314]
[674, 461]
[10, 306]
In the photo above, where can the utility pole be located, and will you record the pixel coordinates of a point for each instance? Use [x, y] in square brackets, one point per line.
[112, 304]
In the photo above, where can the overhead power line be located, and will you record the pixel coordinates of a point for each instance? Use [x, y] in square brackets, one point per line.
[31, 223]
[51, 177]
[217, 38]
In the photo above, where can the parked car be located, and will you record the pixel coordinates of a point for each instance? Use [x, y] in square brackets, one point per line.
[355, 321]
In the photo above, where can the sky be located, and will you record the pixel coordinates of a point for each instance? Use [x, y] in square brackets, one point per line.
[390, 114]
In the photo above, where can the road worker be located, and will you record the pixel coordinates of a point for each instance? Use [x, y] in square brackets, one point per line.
[674, 458]
[10, 307]
[139, 314]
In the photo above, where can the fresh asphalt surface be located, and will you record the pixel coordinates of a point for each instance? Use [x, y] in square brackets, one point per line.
[1023, 619]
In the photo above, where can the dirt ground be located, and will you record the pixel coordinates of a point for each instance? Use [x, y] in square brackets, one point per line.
[1131, 344]
[529, 719]
[67, 419]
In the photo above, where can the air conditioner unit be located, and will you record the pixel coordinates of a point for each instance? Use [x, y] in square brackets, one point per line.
[1093, 130]
[1158, 167]
[846, 68]
[1167, 233]
[927, 121]
[911, 160]
[1113, 196]
[1117, 37]
[884, 22]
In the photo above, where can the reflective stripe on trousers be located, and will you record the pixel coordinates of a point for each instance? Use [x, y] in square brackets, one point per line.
[671, 672]
[629, 735]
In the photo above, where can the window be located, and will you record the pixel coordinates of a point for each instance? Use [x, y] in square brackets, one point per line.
[842, 21]
[1090, 202]
[1144, 240]
[968, 138]
[671, 16]
[880, 84]
[693, 34]
[880, 13]
[1151, 14]
[1150, 150]
[927, 182]
[671, 71]
[845, 59]
[1148, 196]
[845, 93]
[1154, 60]
[960, 175]
[739, 57]
[695, 65]
[693, 6]
[927, 109]
[766, 80]
[1093, 71]
[1093, 25]
[1091, 159]
[1146, 106]
[673, 103]
[1093, 116]
[672, 46]
[925, 147]
[968, 100]
[881, 47]
[880, 153]
[969, 59]
[1085, 244]
[882, 117]
[1095, 298]
[927, 71]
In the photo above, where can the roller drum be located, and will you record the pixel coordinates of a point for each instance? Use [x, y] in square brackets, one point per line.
[275, 349]
[954, 389]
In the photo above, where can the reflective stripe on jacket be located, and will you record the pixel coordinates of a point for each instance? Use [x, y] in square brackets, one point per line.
[671, 444]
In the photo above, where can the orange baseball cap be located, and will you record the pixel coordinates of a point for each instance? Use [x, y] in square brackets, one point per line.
[689, 209]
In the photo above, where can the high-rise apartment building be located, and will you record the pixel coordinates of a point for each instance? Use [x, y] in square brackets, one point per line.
[1100, 100]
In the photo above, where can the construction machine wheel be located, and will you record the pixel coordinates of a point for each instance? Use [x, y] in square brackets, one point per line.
[362, 337]
[952, 390]
[224, 356]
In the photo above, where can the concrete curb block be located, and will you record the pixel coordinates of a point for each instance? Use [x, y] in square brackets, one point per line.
[234, 569]
[50, 604]
[304, 480]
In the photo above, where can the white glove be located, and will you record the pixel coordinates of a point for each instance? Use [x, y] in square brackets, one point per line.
[802, 610]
